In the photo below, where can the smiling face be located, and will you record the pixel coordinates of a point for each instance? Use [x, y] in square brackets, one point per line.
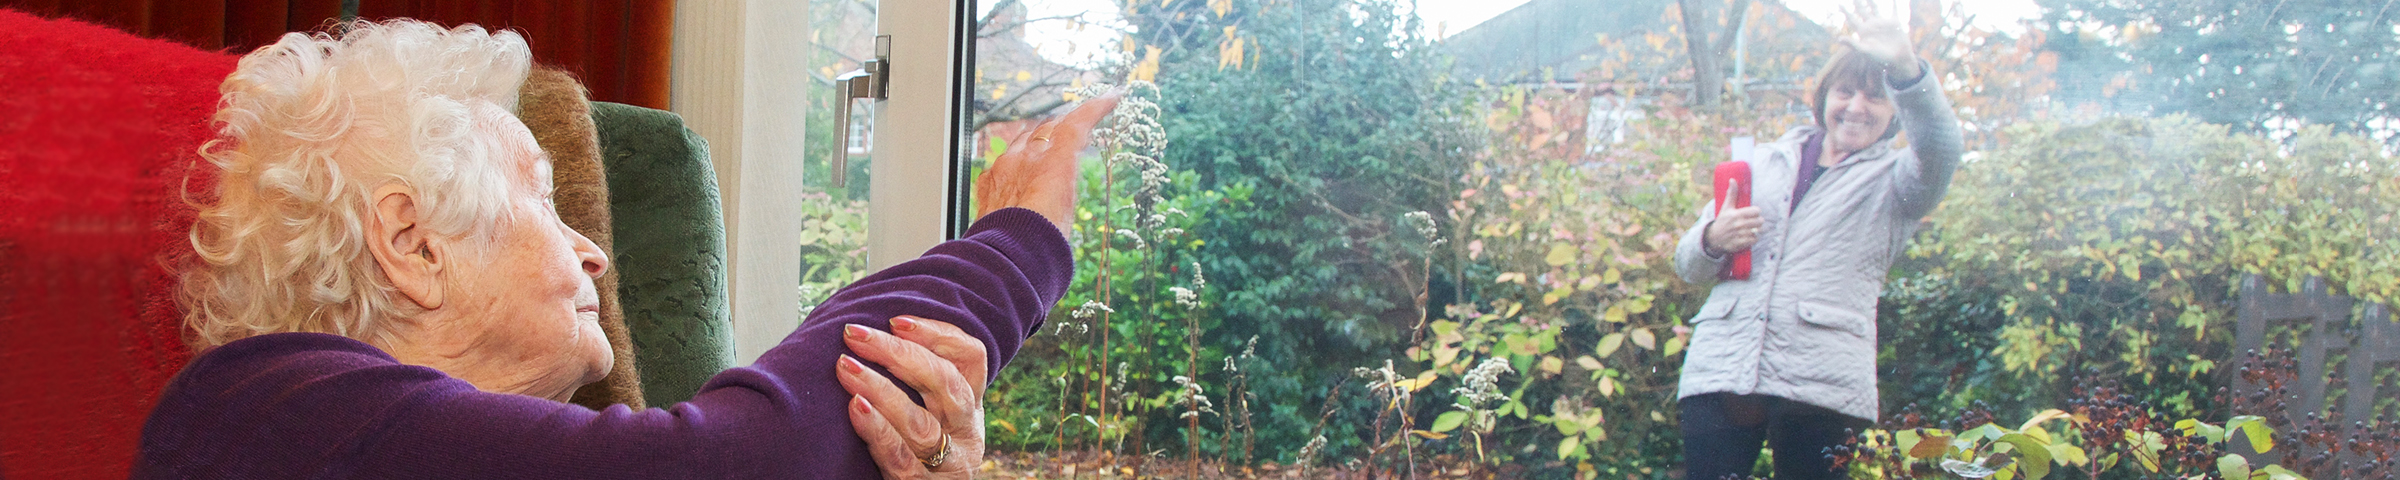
[1855, 117]
[527, 306]
[1852, 106]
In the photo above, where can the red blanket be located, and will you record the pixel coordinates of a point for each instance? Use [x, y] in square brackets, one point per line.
[98, 130]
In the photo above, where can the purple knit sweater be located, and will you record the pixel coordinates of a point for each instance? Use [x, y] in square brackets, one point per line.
[305, 405]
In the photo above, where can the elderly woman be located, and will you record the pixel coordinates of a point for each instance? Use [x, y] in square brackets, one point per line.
[1786, 356]
[384, 290]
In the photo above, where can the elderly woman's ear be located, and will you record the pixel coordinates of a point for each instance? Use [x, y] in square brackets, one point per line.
[404, 249]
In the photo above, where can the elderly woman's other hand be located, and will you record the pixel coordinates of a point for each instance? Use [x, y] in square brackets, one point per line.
[944, 437]
[1885, 39]
[1038, 171]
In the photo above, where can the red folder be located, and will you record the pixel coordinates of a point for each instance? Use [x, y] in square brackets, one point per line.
[1738, 266]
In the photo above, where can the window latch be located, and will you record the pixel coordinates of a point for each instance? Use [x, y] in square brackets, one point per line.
[871, 81]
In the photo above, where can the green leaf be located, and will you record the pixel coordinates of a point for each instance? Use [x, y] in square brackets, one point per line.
[1569, 446]
[2147, 449]
[2033, 456]
[2233, 466]
[1609, 344]
[1560, 255]
[1449, 421]
[2262, 437]
[1566, 426]
[1987, 432]
[1906, 440]
[2277, 472]
[2069, 455]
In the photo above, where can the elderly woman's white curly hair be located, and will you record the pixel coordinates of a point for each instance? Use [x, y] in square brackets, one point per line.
[308, 128]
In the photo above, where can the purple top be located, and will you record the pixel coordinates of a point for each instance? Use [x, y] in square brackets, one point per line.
[1810, 150]
[306, 405]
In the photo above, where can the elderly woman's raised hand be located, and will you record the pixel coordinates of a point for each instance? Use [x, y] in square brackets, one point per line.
[944, 437]
[1885, 39]
[1038, 171]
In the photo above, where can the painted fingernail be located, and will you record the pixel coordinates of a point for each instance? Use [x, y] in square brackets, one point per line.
[904, 324]
[850, 364]
[860, 403]
[854, 332]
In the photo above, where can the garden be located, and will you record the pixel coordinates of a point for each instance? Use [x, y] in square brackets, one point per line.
[1311, 247]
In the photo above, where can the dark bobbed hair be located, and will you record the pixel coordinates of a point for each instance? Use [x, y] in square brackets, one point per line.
[1857, 72]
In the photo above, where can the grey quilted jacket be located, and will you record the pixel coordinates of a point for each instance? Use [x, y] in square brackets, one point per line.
[1803, 326]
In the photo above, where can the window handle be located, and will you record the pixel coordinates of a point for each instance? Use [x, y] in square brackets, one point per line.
[870, 81]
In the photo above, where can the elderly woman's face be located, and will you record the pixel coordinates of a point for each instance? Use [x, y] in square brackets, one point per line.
[532, 306]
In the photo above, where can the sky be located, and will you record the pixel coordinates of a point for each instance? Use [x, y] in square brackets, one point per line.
[1063, 42]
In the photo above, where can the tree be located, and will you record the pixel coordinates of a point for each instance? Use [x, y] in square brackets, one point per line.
[1333, 118]
[2252, 64]
[1707, 35]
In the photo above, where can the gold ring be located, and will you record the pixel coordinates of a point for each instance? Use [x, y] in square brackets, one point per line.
[938, 457]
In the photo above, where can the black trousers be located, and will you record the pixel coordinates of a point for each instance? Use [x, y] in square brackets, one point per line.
[1722, 433]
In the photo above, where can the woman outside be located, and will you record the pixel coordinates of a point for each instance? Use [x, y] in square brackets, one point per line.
[1786, 357]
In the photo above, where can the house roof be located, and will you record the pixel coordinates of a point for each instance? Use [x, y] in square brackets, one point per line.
[1561, 36]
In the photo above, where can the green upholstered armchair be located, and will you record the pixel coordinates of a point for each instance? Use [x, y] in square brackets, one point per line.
[670, 249]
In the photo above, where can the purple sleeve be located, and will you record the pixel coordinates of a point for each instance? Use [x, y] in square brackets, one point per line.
[997, 284]
[310, 405]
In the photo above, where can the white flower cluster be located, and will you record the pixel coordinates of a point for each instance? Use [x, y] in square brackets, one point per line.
[1185, 297]
[1189, 394]
[1138, 243]
[1482, 385]
[1198, 281]
[1249, 350]
[1136, 139]
[1308, 453]
[1423, 223]
[1092, 309]
[1384, 380]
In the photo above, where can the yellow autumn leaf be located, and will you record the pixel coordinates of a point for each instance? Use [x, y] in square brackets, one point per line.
[1643, 338]
[1147, 69]
[1552, 365]
[1229, 50]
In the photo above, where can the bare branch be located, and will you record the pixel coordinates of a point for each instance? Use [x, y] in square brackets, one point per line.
[998, 7]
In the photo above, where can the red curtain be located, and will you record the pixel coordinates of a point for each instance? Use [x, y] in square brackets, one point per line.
[618, 48]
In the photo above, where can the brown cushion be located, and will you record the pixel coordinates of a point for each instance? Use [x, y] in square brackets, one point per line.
[559, 112]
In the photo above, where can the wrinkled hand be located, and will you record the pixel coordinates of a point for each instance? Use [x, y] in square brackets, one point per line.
[1038, 171]
[1732, 231]
[947, 368]
[1885, 39]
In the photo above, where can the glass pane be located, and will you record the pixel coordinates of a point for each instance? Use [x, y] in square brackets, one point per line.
[1468, 238]
[833, 240]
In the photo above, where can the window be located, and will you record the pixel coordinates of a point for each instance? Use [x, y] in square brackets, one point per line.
[1444, 234]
